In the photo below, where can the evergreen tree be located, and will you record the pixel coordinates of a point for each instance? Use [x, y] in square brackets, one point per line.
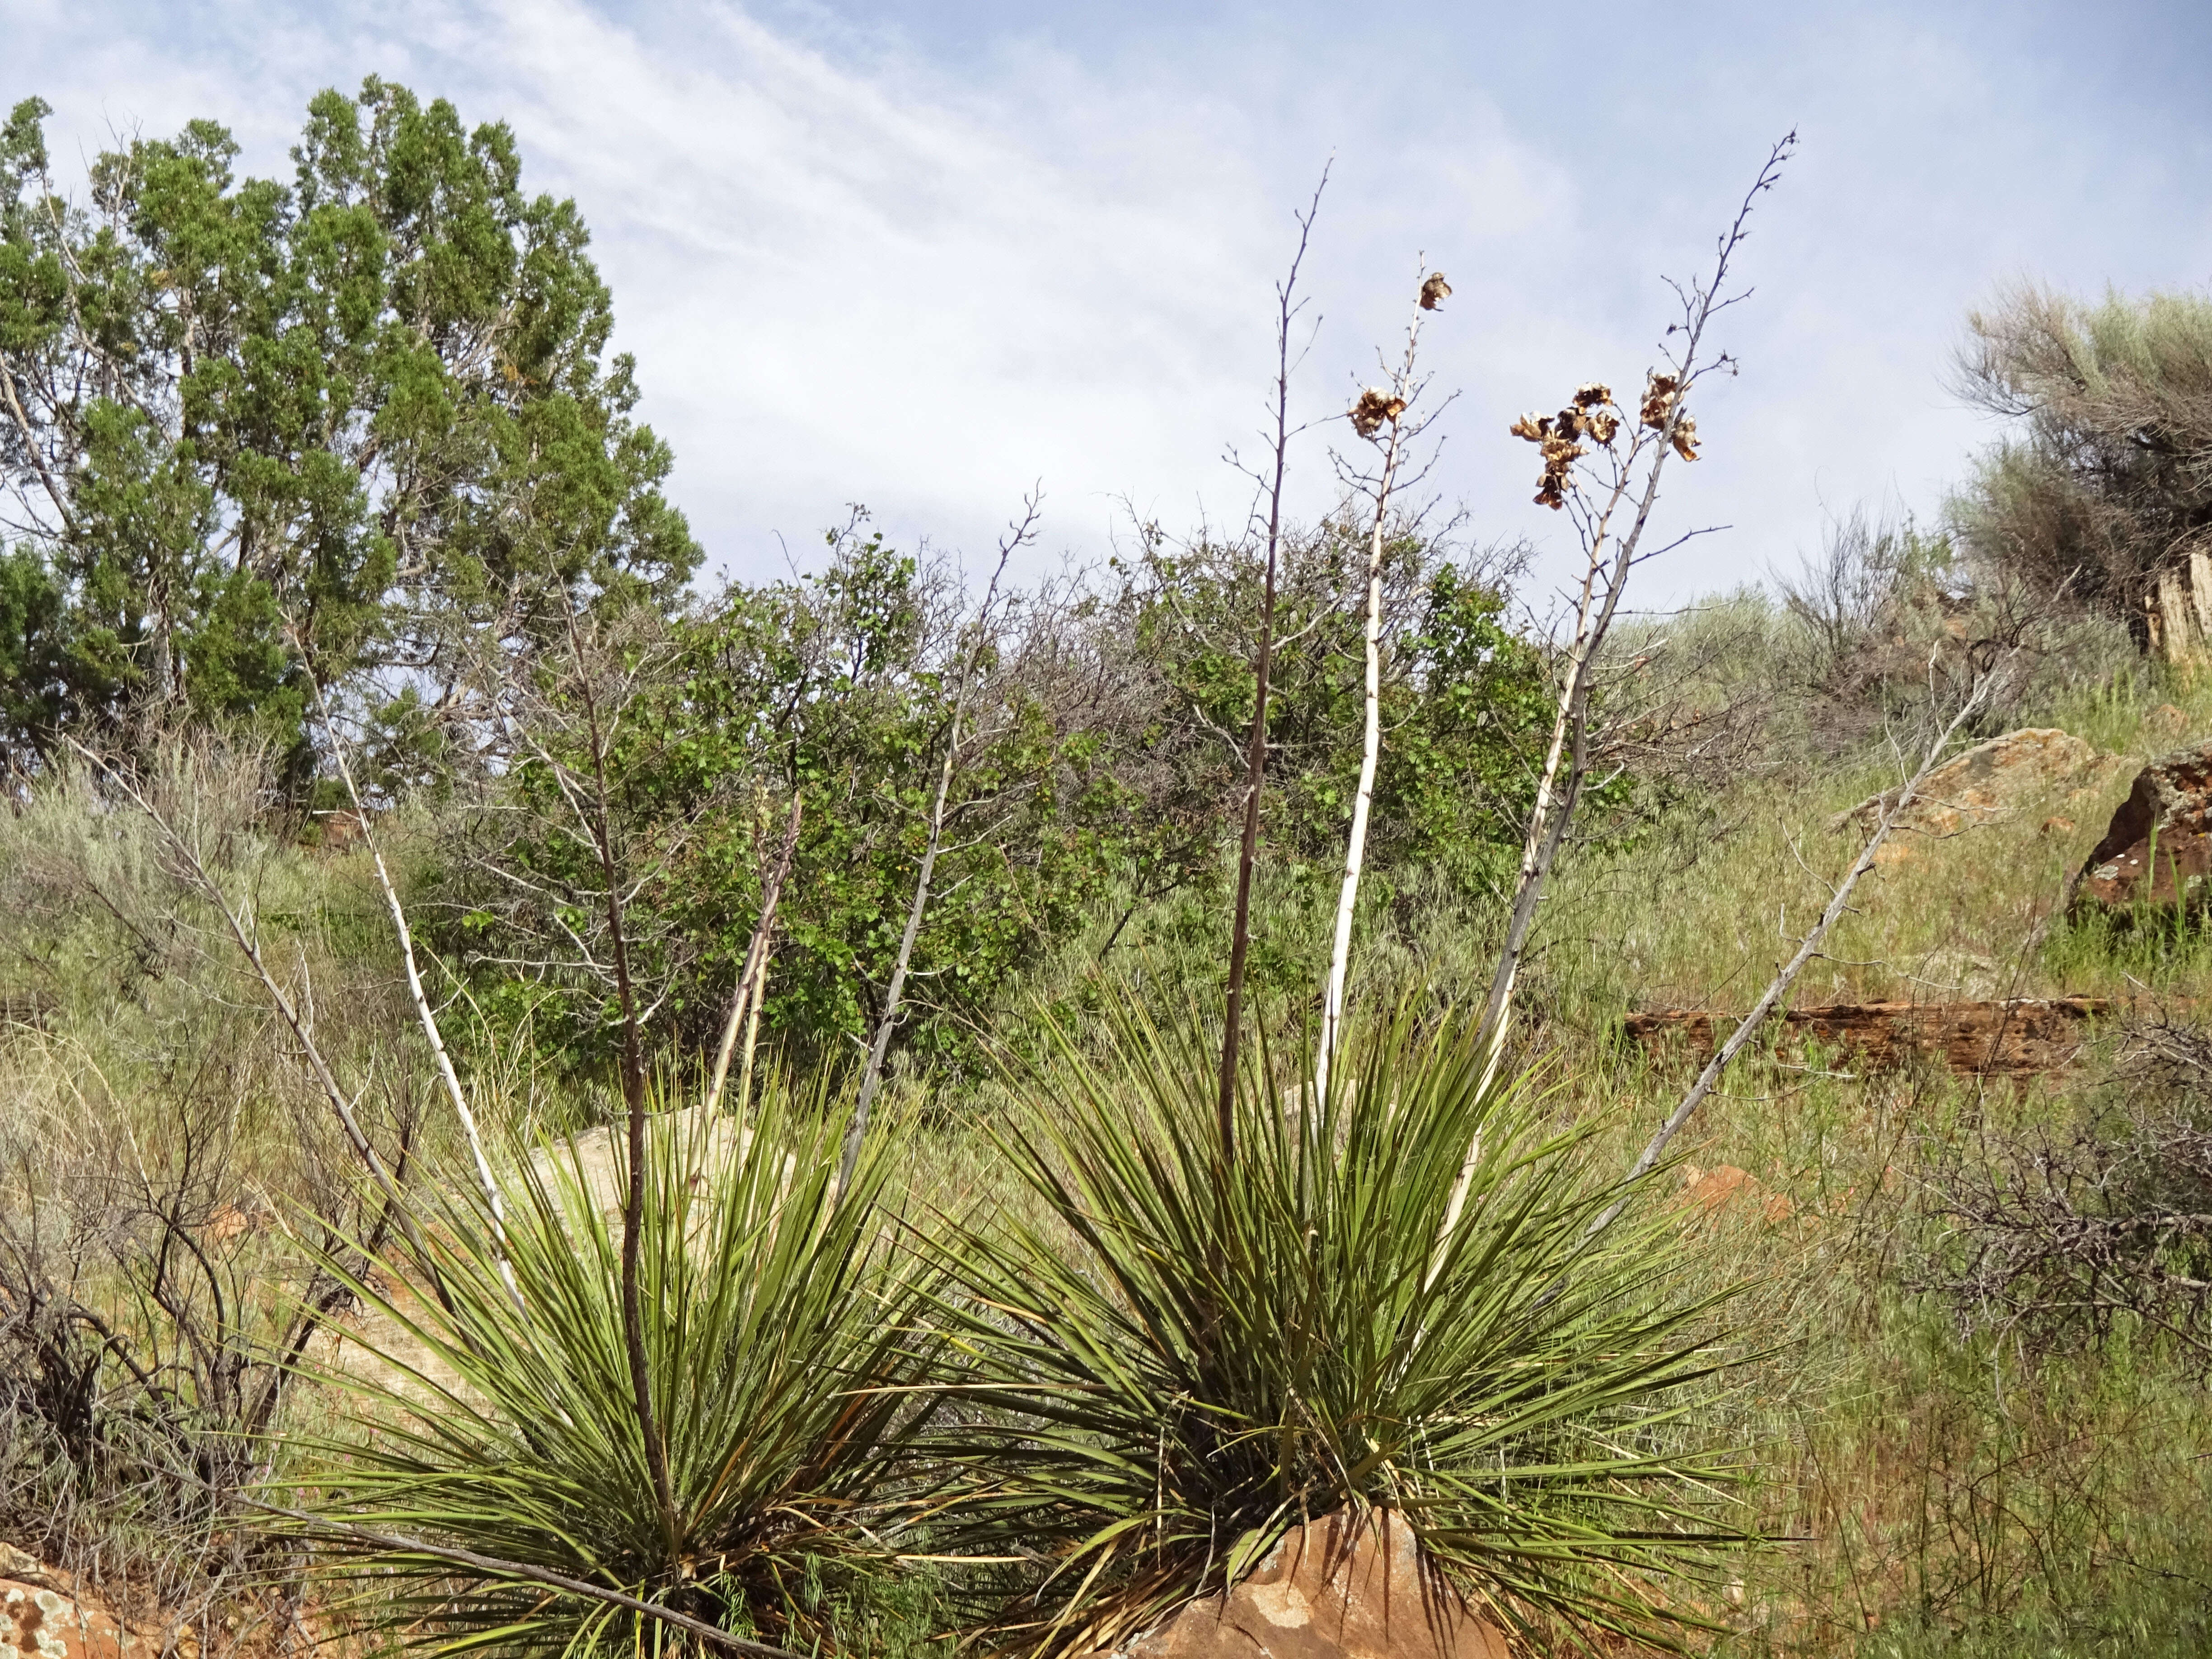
[250, 431]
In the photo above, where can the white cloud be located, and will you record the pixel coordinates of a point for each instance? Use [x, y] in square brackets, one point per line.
[838, 295]
[851, 271]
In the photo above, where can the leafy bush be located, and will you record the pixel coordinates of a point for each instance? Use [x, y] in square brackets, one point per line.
[1094, 774]
[837, 686]
[2105, 484]
[1465, 697]
[381, 392]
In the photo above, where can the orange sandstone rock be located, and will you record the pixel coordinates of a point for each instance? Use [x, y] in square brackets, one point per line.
[38, 1623]
[1342, 1587]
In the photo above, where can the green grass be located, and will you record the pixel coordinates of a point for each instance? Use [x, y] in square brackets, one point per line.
[1926, 1492]
[1937, 1494]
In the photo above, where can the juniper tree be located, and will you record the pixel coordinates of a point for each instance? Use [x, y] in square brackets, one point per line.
[252, 432]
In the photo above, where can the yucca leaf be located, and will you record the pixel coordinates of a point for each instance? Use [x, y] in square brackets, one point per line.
[1205, 1355]
[786, 1335]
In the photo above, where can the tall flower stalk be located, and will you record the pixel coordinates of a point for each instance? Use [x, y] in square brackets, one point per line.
[1384, 415]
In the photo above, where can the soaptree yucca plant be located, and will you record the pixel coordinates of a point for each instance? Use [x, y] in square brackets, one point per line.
[1185, 1356]
[495, 1491]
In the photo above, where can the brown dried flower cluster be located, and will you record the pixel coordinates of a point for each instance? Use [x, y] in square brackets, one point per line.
[1591, 415]
[1435, 291]
[1661, 394]
[1373, 409]
[1593, 411]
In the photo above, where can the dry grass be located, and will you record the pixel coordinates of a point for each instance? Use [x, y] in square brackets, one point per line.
[1932, 1492]
[1701, 912]
[1937, 1494]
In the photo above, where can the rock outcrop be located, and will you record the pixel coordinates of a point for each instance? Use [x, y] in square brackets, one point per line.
[1341, 1588]
[1714, 1191]
[1988, 784]
[2158, 848]
[21, 1567]
[2013, 1034]
[38, 1622]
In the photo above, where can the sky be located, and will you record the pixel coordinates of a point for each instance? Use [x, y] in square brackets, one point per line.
[927, 257]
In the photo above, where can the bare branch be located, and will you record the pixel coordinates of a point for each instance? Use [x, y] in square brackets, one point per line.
[754, 971]
[1239, 938]
[887, 1023]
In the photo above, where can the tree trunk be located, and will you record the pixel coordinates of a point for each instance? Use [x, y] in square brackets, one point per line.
[753, 1032]
[871, 1080]
[2179, 612]
[2179, 636]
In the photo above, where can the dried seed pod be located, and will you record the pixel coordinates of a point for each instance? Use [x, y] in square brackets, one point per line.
[1373, 409]
[1661, 393]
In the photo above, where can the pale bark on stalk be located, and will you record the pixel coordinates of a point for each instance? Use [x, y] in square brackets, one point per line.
[1604, 577]
[324, 1293]
[300, 1025]
[1255, 765]
[752, 978]
[425, 1016]
[1355, 851]
[1555, 802]
[1404, 388]
[1553, 809]
[872, 1079]
[752, 1033]
[740, 1001]
[1604, 580]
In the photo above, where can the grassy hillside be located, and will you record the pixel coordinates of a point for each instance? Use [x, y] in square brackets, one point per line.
[1924, 1482]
